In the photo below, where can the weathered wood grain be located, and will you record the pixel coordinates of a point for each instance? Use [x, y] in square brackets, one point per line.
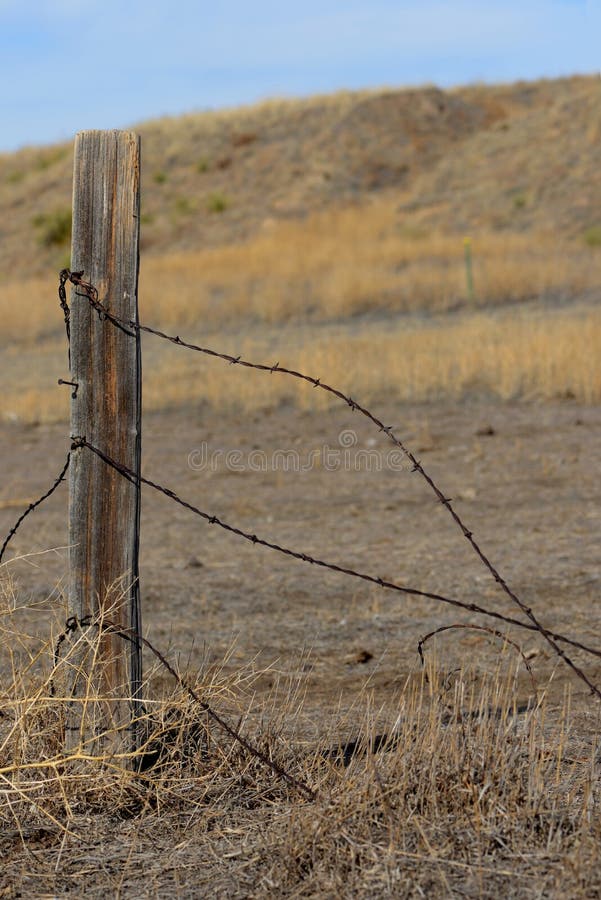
[104, 509]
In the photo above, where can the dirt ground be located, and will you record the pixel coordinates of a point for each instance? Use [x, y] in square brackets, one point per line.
[524, 477]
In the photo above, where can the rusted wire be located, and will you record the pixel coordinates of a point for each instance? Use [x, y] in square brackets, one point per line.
[333, 567]
[64, 276]
[492, 631]
[73, 624]
[60, 477]
[92, 294]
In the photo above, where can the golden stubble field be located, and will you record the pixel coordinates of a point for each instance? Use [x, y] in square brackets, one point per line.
[352, 295]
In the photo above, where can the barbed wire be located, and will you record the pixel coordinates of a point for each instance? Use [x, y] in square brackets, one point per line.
[132, 327]
[484, 628]
[63, 277]
[73, 624]
[60, 477]
[131, 476]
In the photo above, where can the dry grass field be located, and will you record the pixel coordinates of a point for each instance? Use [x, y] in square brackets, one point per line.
[343, 286]
[329, 235]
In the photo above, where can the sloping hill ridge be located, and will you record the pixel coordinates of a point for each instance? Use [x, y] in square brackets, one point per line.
[512, 157]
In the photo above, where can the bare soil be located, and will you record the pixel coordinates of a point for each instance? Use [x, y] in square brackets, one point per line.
[524, 477]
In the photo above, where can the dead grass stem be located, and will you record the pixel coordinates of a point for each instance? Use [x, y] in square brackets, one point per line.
[470, 792]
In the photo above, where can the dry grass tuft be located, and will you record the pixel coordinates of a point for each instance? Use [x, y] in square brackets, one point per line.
[471, 792]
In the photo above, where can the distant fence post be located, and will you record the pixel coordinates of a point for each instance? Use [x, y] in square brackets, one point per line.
[469, 269]
[104, 508]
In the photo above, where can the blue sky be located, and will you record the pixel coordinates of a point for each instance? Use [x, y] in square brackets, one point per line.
[66, 65]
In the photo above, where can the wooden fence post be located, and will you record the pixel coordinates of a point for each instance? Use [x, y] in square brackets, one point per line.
[104, 508]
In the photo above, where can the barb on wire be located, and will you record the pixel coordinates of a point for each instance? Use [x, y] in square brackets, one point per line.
[92, 295]
[60, 477]
[130, 475]
[73, 624]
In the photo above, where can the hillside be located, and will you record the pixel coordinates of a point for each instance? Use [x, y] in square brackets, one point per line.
[508, 158]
